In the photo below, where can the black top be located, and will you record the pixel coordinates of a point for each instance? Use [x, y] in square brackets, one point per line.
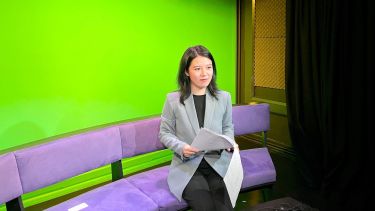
[200, 107]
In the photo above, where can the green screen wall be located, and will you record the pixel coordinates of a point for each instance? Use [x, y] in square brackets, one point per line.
[71, 65]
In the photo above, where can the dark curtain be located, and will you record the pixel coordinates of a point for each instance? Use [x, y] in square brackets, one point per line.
[329, 88]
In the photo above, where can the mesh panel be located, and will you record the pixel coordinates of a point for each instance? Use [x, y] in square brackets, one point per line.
[269, 43]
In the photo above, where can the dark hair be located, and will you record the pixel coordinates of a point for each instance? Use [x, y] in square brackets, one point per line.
[184, 81]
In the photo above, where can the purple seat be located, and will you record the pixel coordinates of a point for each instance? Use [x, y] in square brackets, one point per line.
[258, 168]
[154, 184]
[119, 195]
[137, 137]
[10, 182]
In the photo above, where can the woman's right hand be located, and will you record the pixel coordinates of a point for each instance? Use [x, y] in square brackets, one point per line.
[188, 150]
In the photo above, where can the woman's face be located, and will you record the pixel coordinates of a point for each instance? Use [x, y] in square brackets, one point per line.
[200, 72]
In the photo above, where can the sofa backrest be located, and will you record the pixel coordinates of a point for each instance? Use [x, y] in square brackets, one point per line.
[46, 164]
[140, 137]
[10, 183]
[251, 118]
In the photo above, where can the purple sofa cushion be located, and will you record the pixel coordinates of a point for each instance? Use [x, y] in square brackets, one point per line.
[257, 166]
[251, 118]
[10, 183]
[119, 195]
[55, 161]
[258, 170]
[154, 184]
[140, 137]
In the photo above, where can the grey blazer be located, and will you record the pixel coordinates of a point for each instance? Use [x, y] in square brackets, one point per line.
[179, 126]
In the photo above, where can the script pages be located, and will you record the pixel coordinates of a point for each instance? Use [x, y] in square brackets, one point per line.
[207, 140]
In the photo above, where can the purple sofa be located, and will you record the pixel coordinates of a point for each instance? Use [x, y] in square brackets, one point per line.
[35, 167]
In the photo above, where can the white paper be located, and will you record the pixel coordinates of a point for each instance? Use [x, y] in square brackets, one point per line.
[234, 176]
[78, 207]
[207, 140]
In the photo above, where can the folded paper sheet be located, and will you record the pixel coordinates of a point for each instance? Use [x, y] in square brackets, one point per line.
[234, 176]
[207, 140]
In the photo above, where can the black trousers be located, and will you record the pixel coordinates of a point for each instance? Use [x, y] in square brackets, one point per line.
[206, 190]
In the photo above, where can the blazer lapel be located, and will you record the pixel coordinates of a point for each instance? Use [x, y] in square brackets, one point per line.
[210, 108]
[191, 113]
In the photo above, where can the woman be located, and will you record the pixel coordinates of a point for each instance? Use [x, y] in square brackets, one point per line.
[197, 177]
